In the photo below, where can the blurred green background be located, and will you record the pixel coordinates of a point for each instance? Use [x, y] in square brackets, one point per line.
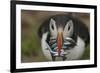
[31, 50]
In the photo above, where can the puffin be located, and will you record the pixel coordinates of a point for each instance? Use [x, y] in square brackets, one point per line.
[63, 37]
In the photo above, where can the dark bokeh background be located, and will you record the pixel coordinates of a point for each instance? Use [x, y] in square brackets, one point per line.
[30, 42]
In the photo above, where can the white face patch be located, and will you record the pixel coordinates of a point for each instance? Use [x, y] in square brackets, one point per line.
[68, 30]
[53, 28]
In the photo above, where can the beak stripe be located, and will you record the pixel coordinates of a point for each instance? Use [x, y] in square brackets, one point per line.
[59, 42]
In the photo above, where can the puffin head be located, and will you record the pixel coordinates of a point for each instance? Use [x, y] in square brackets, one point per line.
[61, 32]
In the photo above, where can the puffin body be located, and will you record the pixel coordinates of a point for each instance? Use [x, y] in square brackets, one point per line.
[63, 37]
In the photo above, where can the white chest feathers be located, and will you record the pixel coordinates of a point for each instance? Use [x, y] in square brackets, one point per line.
[74, 53]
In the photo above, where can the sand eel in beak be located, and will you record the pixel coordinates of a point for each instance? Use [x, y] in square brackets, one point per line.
[63, 36]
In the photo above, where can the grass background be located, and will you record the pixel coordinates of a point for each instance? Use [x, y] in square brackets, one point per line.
[31, 50]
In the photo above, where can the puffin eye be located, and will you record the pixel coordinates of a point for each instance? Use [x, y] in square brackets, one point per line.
[68, 28]
[52, 26]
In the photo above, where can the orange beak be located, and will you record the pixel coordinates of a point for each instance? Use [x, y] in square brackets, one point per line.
[59, 42]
